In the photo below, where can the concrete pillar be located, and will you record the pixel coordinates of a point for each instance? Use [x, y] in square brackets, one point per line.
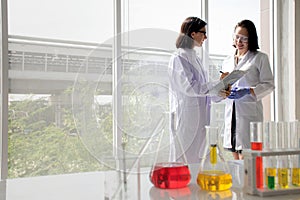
[286, 99]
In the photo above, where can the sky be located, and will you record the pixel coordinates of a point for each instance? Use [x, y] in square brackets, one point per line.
[92, 20]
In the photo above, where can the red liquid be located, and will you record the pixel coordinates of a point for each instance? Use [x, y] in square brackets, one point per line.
[256, 146]
[259, 165]
[170, 175]
[259, 173]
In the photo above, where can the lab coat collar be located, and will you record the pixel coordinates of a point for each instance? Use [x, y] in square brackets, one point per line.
[242, 60]
[189, 54]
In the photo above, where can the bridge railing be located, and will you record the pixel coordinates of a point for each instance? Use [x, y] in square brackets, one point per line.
[47, 55]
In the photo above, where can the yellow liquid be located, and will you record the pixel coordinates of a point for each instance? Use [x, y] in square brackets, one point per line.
[213, 154]
[214, 180]
[283, 175]
[270, 173]
[296, 176]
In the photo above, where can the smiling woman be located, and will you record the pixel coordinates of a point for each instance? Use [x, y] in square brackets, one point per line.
[189, 93]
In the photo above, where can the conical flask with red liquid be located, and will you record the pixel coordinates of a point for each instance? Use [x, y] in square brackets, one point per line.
[170, 173]
[213, 173]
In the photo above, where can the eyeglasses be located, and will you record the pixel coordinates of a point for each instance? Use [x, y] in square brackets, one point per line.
[204, 32]
[240, 37]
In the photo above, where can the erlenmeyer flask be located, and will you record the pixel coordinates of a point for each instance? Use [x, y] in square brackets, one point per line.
[170, 173]
[213, 172]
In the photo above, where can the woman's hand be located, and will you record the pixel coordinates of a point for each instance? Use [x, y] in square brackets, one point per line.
[238, 93]
[223, 74]
[224, 93]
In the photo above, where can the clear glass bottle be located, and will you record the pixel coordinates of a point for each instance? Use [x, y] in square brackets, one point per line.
[213, 173]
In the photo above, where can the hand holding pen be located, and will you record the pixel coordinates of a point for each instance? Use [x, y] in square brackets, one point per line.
[226, 92]
[223, 74]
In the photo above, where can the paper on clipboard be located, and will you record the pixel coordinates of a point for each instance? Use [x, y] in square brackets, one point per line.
[233, 77]
[228, 80]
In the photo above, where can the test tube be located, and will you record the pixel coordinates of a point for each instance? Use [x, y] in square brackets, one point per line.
[269, 144]
[256, 135]
[256, 139]
[294, 144]
[282, 161]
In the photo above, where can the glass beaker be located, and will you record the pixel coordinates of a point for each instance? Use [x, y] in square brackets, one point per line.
[173, 172]
[213, 172]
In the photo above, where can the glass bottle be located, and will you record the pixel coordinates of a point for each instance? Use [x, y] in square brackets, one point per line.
[213, 173]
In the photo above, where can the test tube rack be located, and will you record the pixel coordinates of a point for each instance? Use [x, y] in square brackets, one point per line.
[250, 173]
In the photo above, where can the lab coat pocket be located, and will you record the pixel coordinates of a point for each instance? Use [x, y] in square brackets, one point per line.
[247, 109]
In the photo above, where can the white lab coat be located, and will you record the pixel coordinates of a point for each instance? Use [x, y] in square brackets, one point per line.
[189, 105]
[248, 108]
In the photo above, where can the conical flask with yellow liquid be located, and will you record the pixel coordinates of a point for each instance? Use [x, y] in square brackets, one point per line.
[213, 173]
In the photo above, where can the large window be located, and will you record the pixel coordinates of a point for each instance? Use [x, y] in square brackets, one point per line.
[223, 16]
[60, 72]
[84, 21]
[63, 63]
[150, 32]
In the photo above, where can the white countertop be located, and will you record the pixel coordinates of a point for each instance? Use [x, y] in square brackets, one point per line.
[98, 185]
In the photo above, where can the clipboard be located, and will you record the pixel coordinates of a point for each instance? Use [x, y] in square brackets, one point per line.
[233, 77]
[230, 79]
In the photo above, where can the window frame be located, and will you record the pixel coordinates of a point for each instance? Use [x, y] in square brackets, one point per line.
[4, 91]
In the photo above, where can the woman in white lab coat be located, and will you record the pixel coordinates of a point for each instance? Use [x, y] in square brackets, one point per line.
[244, 104]
[189, 89]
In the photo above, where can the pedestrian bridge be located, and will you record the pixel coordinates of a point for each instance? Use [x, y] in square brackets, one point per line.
[48, 66]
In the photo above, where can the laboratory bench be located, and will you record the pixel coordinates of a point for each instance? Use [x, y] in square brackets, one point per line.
[105, 185]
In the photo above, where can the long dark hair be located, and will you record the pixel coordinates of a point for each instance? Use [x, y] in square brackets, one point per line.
[190, 25]
[252, 34]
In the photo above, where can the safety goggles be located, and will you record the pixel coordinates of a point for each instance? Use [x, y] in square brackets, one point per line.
[242, 38]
